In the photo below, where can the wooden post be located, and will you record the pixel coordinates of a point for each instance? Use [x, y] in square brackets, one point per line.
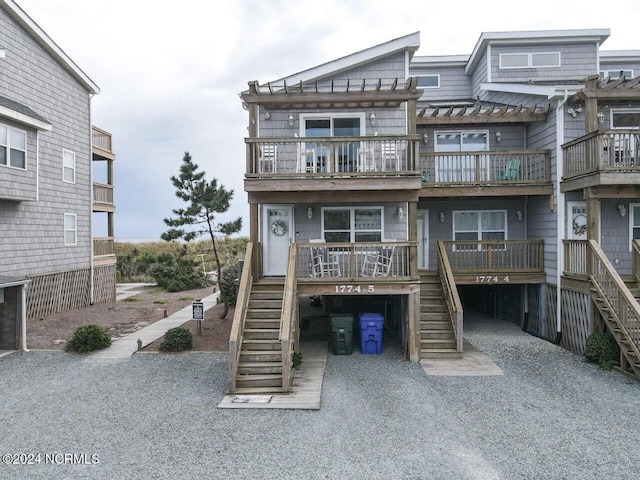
[412, 218]
[593, 215]
[253, 237]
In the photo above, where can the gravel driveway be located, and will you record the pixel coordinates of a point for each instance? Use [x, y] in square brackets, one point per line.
[154, 416]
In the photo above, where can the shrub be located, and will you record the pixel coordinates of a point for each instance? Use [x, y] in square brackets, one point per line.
[228, 288]
[601, 348]
[175, 274]
[88, 338]
[176, 340]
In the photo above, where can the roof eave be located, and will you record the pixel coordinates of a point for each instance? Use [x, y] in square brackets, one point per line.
[48, 44]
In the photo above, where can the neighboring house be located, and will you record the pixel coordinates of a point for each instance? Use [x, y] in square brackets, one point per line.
[413, 185]
[47, 261]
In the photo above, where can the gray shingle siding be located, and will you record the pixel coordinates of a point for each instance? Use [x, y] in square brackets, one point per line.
[577, 61]
[32, 238]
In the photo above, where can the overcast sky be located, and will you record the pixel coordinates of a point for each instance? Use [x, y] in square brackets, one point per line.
[170, 72]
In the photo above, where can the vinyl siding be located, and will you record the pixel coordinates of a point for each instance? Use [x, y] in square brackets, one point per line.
[32, 232]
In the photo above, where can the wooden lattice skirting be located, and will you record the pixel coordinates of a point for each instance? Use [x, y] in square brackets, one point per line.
[575, 320]
[104, 284]
[58, 292]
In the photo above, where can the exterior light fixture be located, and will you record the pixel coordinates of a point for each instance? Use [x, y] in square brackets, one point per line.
[267, 115]
[372, 118]
[400, 212]
[425, 138]
[622, 209]
[498, 136]
[310, 212]
[600, 118]
[441, 216]
[290, 118]
[519, 215]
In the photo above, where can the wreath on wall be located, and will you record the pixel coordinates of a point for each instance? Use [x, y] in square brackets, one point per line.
[279, 228]
[580, 224]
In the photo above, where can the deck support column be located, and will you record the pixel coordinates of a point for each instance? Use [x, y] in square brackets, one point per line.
[253, 237]
[413, 323]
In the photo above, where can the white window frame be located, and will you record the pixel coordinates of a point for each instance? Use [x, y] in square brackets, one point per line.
[9, 147]
[436, 76]
[479, 230]
[615, 73]
[613, 111]
[530, 56]
[66, 167]
[633, 208]
[352, 221]
[331, 116]
[68, 230]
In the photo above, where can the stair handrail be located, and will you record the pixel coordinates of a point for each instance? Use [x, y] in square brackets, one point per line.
[636, 259]
[451, 295]
[616, 296]
[289, 320]
[240, 313]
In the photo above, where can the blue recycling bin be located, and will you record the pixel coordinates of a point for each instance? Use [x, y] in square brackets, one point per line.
[371, 333]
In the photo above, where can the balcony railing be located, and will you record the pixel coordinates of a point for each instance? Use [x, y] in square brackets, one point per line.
[602, 150]
[350, 260]
[103, 246]
[472, 168]
[575, 257]
[331, 156]
[493, 256]
[101, 139]
[103, 193]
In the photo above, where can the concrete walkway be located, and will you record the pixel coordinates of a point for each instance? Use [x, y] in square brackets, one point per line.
[126, 290]
[126, 346]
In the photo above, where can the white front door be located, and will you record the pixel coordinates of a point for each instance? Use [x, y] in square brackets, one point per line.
[577, 220]
[277, 228]
[423, 239]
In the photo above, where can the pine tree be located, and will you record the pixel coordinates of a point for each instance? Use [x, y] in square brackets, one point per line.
[205, 200]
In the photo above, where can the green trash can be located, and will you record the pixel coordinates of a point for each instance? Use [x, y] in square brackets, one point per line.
[341, 334]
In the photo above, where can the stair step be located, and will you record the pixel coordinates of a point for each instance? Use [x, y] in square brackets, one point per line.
[262, 323]
[253, 368]
[261, 295]
[428, 344]
[263, 313]
[268, 380]
[249, 344]
[261, 333]
[437, 335]
[435, 325]
[252, 356]
[265, 304]
[256, 390]
[440, 353]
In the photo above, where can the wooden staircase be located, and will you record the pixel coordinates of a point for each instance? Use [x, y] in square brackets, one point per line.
[437, 337]
[260, 363]
[629, 357]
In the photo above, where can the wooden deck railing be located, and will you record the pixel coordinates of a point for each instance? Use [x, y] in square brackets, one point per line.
[472, 168]
[454, 305]
[289, 323]
[602, 150]
[102, 193]
[101, 139]
[495, 256]
[616, 295]
[331, 156]
[103, 246]
[349, 260]
[575, 257]
[237, 327]
[636, 259]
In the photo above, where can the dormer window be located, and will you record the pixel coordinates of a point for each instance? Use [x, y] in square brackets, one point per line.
[530, 60]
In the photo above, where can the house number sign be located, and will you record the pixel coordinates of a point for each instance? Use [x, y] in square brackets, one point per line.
[355, 289]
[492, 279]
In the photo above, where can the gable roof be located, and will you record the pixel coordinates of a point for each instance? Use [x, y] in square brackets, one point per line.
[533, 37]
[48, 44]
